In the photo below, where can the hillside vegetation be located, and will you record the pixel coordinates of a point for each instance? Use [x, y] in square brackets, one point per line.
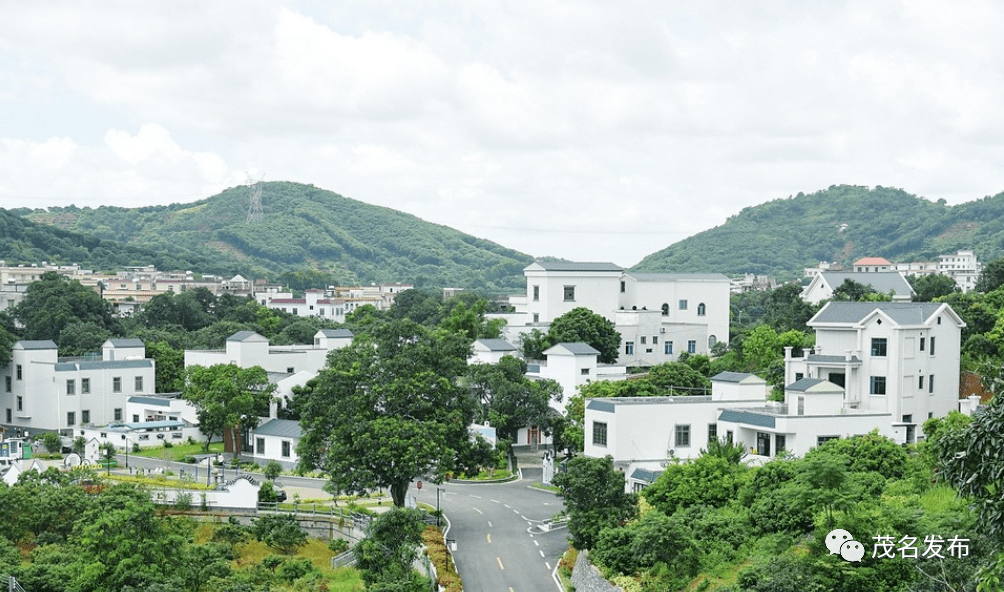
[842, 224]
[303, 228]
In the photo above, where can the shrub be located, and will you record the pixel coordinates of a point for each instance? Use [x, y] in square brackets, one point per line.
[338, 546]
[183, 501]
[567, 562]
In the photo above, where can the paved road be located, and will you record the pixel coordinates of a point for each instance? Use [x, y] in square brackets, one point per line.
[496, 527]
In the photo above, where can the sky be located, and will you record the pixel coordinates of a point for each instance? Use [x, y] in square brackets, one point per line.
[592, 131]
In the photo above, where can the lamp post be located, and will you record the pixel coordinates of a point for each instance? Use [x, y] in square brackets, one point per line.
[439, 514]
[127, 450]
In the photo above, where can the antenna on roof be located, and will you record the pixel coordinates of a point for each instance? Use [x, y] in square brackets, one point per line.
[254, 205]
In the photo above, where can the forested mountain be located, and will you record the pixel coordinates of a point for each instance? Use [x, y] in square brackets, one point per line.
[303, 228]
[842, 224]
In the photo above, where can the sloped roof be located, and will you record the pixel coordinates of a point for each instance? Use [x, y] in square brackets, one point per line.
[336, 333]
[872, 261]
[126, 342]
[747, 417]
[103, 365]
[577, 266]
[36, 344]
[675, 277]
[804, 385]
[903, 313]
[246, 336]
[497, 345]
[732, 376]
[645, 475]
[882, 281]
[158, 401]
[282, 428]
[577, 349]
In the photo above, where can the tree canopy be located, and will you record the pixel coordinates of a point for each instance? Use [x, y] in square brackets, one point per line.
[583, 325]
[227, 397]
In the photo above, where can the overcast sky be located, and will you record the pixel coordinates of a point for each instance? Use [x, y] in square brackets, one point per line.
[594, 131]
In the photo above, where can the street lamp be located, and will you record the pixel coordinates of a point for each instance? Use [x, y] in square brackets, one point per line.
[439, 514]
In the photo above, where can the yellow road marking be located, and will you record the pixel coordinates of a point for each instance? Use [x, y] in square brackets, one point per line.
[489, 539]
[499, 559]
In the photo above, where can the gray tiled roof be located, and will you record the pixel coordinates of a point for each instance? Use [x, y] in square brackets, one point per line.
[127, 342]
[578, 349]
[904, 313]
[103, 365]
[645, 475]
[283, 428]
[803, 384]
[747, 417]
[243, 336]
[497, 345]
[598, 405]
[36, 344]
[609, 403]
[158, 401]
[830, 359]
[731, 376]
[672, 277]
[882, 281]
[336, 333]
[578, 266]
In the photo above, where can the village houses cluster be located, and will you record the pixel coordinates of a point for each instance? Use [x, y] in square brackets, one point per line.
[882, 366]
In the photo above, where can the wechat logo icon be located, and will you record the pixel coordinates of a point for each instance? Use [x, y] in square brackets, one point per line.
[840, 542]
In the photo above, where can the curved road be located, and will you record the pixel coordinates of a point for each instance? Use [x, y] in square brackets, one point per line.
[500, 546]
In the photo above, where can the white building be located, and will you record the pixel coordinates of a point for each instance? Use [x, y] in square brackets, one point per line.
[659, 315]
[884, 282]
[961, 266]
[42, 392]
[491, 351]
[889, 357]
[872, 265]
[335, 302]
[276, 439]
[247, 349]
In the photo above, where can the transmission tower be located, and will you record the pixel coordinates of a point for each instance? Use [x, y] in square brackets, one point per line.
[254, 205]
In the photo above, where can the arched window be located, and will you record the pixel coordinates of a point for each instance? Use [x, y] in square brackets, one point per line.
[700, 309]
[665, 310]
[712, 340]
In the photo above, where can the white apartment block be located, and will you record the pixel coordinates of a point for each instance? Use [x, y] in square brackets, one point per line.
[247, 349]
[659, 315]
[335, 302]
[961, 266]
[42, 392]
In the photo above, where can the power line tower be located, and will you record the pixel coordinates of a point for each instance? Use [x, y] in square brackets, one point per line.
[255, 213]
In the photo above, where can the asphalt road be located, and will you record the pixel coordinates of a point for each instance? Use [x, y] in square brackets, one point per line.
[496, 528]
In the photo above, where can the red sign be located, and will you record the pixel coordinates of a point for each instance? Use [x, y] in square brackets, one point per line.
[419, 485]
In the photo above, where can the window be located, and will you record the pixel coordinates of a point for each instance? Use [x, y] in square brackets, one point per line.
[712, 340]
[665, 310]
[799, 376]
[691, 347]
[599, 433]
[701, 309]
[877, 385]
[629, 348]
[285, 448]
[930, 384]
[879, 346]
[18, 370]
[683, 305]
[655, 340]
[85, 416]
[117, 414]
[712, 432]
[536, 317]
[801, 405]
[920, 382]
[71, 418]
[667, 348]
[922, 343]
[135, 419]
[763, 443]
[682, 436]
[139, 384]
[117, 384]
[71, 387]
[584, 371]
[779, 443]
[536, 293]
[569, 293]
[9, 415]
[85, 386]
[294, 310]
[290, 370]
[908, 419]
[624, 288]
[7, 383]
[643, 338]
[939, 320]
[932, 345]
[20, 403]
[259, 445]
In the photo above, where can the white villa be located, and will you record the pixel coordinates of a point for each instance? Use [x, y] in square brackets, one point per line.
[823, 284]
[659, 315]
[45, 393]
[247, 349]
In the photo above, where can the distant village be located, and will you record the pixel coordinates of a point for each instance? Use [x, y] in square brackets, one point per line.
[885, 366]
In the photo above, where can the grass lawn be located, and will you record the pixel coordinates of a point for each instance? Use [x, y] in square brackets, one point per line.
[177, 452]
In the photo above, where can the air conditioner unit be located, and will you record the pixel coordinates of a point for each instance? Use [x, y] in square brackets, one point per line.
[662, 329]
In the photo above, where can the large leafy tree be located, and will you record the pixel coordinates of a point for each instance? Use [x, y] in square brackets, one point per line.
[583, 325]
[227, 397]
[928, 287]
[170, 366]
[509, 400]
[389, 408]
[53, 303]
[992, 276]
[594, 497]
[391, 546]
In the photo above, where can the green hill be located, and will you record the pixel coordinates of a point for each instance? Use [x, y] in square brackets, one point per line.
[303, 230]
[842, 224]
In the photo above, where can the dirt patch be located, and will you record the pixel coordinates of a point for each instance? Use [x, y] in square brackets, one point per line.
[226, 249]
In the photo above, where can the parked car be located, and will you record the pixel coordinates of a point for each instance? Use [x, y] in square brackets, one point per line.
[280, 495]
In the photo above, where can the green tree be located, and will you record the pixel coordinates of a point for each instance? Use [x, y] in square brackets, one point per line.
[169, 366]
[390, 548]
[389, 408]
[280, 531]
[928, 287]
[534, 344]
[992, 276]
[272, 470]
[654, 540]
[594, 498]
[709, 479]
[583, 325]
[676, 378]
[53, 303]
[227, 397]
[469, 320]
[827, 484]
[508, 399]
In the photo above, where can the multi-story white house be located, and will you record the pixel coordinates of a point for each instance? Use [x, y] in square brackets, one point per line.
[248, 349]
[659, 315]
[42, 392]
[963, 267]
